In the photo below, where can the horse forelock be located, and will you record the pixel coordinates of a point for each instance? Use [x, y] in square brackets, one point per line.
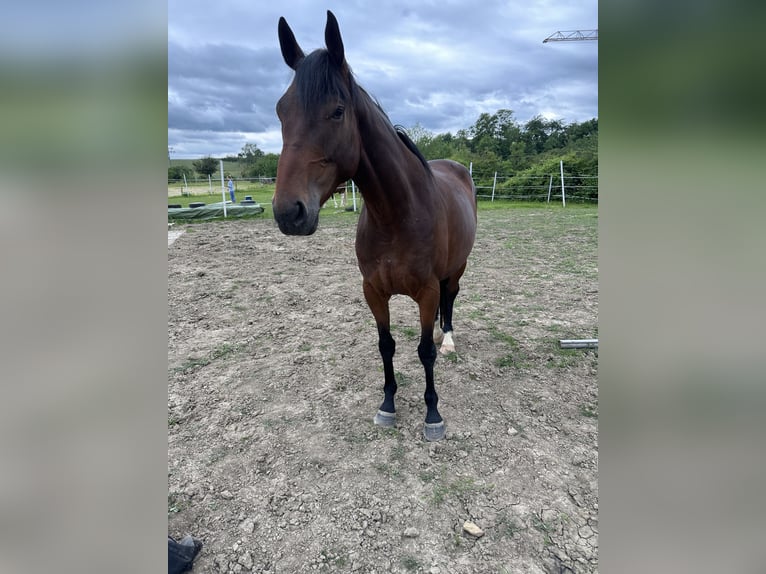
[318, 80]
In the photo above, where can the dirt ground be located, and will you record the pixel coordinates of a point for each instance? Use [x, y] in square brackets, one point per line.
[274, 378]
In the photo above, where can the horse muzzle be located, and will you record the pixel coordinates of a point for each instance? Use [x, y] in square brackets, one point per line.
[296, 218]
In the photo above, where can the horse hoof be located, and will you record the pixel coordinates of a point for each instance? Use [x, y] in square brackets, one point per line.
[384, 419]
[448, 345]
[438, 336]
[434, 431]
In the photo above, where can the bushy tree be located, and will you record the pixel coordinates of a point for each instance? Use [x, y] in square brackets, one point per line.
[205, 166]
[248, 157]
[264, 166]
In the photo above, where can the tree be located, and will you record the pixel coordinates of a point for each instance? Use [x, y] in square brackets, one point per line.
[178, 172]
[265, 166]
[419, 135]
[249, 156]
[205, 166]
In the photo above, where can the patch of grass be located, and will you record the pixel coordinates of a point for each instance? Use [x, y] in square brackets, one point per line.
[220, 352]
[565, 358]
[461, 488]
[505, 361]
[409, 332]
[385, 469]
[305, 347]
[193, 364]
[219, 453]
[176, 503]
[545, 528]
[397, 452]
[508, 526]
[402, 380]
[590, 411]
[452, 357]
[410, 563]
[504, 337]
[427, 476]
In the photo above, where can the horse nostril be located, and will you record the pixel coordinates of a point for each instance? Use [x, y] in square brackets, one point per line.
[293, 218]
[300, 214]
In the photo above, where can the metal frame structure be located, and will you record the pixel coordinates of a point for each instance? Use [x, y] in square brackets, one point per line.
[572, 36]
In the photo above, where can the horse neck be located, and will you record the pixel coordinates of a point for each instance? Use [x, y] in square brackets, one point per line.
[390, 177]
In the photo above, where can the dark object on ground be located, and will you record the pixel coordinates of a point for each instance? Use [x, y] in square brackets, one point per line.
[181, 554]
[197, 204]
[175, 206]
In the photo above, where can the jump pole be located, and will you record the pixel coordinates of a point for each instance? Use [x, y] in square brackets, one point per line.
[578, 343]
[223, 189]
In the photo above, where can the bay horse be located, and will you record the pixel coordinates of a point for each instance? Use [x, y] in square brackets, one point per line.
[418, 221]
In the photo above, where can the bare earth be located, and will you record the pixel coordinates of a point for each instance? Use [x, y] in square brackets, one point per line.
[274, 378]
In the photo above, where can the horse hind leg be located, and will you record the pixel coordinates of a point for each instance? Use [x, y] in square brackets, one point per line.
[448, 290]
[438, 333]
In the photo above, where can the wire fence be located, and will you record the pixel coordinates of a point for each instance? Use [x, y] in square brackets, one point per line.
[492, 186]
[543, 187]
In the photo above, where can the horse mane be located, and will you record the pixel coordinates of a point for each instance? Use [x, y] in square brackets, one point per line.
[316, 78]
[402, 133]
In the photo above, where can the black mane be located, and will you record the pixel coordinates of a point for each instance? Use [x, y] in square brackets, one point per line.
[316, 79]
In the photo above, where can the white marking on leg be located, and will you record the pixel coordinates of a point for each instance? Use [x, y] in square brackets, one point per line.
[438, 335]
[448, 345]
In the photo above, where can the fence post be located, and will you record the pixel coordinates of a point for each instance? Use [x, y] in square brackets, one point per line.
[494, 183]
[550, 185]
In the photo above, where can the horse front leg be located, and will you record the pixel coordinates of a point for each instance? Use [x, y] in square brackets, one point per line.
[434, 427]
[386, 415]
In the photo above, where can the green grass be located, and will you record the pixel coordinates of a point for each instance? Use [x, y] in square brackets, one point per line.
[461, 488]
[410, 563]
[220, 352]
[590, 411]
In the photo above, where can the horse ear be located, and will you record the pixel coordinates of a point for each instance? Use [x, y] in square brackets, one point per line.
[333, 40]
[291, 51]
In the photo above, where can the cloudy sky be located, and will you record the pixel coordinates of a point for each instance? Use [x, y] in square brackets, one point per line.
[436, 64]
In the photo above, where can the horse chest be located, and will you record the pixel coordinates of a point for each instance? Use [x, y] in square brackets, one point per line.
[394, 274]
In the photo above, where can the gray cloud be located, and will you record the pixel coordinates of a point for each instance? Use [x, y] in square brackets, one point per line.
[439, 65]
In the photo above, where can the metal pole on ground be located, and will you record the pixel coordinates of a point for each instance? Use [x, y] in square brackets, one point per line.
[578, 343]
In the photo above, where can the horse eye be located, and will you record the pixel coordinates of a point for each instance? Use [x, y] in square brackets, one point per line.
[338, 113]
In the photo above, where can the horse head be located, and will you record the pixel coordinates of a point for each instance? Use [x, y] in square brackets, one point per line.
[320, 134]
